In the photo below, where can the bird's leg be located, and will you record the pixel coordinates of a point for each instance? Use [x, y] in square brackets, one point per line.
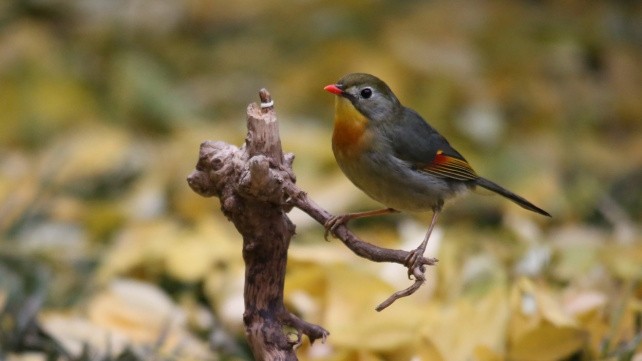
[334, 222]
[415, 255]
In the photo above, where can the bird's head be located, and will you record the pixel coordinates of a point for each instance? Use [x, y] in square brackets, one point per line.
[369, 95]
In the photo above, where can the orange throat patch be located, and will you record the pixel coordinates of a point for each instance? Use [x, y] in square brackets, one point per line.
[349, 127]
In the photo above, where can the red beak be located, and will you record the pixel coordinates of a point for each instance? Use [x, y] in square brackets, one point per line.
[332, 88]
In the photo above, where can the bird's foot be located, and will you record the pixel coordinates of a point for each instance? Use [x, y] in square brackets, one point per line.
[413, 262]
[334, 222]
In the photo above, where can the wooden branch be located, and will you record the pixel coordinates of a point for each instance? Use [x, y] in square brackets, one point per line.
[363, 249]
[256, 186]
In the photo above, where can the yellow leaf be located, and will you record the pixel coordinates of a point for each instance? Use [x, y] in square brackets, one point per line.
[127, 313]
[547, 342]
[625, 260]
[139, 245]
[326, 253]
[597, 327]
[144, 314]
[90, 152]
[584, 302]
[136, 309]
[483, 353]
[350, 314]
[27, 356]
[423, 350]
[74, 332]
[194, 253]
[530, 306]
[457, 329]
[189, 260]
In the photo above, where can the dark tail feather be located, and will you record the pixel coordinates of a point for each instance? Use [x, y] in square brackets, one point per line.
[483, 182]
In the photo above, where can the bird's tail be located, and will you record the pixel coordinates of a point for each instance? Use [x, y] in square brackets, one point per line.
[483, 182]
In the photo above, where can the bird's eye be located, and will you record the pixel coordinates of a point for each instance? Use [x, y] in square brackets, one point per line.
[366, 93]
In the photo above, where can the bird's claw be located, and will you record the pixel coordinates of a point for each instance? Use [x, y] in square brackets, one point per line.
[413, 262]
[332, 224]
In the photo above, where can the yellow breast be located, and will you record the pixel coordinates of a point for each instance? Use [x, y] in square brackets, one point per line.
[349, 128]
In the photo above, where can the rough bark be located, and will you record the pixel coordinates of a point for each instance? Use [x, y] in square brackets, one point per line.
[256, 186]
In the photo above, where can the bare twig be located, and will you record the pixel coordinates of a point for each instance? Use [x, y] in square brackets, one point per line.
[418, 273]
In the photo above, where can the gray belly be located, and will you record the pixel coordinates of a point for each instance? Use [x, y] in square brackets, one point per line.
[391, 182]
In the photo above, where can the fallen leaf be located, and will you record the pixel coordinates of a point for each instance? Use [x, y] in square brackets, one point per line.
[483, 353]
[141, 311]
[457, 329]
[547, 342]
[27, 356]
[73, 332]
[584, 302]
[540, 329]
[351, 299]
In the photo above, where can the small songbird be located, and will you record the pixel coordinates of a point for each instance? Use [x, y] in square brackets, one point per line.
[393, 155]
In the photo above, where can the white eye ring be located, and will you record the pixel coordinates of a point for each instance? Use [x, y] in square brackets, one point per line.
[366, 93]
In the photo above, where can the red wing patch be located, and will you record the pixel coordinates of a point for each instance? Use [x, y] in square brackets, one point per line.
[444, 166]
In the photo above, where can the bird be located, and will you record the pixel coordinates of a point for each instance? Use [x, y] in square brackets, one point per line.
[396, 158]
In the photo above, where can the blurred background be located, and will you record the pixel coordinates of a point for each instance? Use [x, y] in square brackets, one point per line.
[105, 252]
